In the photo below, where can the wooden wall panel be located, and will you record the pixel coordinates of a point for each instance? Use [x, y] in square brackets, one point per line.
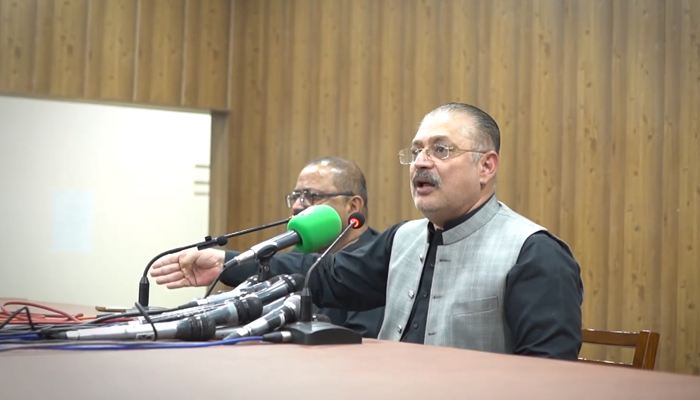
[206, 53]
[61, 48]
[687, 329]
[670, 183]
[17, 25]
[111, 50]
[589, 162]
[160, 74]
[155, 52]
[597, 101]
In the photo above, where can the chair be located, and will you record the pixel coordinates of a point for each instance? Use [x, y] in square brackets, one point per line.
[645, 343]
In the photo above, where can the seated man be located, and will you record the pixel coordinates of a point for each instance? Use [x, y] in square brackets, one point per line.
[472, 274]
[338, 183]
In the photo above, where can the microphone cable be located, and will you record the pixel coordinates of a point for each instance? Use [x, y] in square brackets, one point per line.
[95, 345]
[34, 325]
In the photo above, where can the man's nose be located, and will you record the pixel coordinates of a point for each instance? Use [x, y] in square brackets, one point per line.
[423, 160]
[297, 207]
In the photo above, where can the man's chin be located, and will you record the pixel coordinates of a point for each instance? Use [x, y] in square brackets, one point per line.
[425, 207]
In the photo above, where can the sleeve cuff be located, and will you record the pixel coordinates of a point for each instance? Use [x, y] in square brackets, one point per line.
[234, 276]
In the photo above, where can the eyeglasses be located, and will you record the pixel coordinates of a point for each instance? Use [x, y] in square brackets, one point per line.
[309, 198]
[438, 151]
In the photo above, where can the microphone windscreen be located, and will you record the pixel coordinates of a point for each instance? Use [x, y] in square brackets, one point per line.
[317, 227]
[356, 219]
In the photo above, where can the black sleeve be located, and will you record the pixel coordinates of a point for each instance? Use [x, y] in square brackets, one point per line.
[282, 263]
[353, 281]
[543, 300]
[366, 323]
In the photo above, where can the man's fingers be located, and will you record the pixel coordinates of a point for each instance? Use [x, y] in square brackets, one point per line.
[164, 261]
[177, 285]
[165, 270]
[170, 278]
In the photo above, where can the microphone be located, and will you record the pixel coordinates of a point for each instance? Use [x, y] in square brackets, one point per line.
[196, 328]
[265, 292]
[288, 312]
[308, 231]
[239, 291]
[144, 284]
[236, 312]
[274, 304]
[311, 332]
[285, 336]
[232, 312]
[286, 285]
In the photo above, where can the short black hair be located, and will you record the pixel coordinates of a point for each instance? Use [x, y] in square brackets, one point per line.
[348, 177]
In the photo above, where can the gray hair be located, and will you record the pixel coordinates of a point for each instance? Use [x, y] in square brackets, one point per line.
[486, 136]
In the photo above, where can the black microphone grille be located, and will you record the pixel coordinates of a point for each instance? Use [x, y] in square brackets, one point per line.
[321, 318]
[356, 219]
[249, 308]
[197, 328]
[298, 282]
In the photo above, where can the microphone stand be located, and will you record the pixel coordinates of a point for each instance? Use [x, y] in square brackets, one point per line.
[312, 332]
[209, 242]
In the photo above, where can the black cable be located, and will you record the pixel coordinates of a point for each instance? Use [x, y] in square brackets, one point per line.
[148, 319]
[49, 331]
[15, 313]
[125, 315]
[214, 284]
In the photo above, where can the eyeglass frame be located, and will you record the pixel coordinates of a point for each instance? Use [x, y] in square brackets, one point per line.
[430, 150]
[316, 196]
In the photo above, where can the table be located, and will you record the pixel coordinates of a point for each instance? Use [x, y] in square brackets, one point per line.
[372, 370]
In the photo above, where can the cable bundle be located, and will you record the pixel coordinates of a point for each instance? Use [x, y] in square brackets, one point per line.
[25, 330]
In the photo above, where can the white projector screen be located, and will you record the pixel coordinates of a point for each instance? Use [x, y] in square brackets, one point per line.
[90, 193]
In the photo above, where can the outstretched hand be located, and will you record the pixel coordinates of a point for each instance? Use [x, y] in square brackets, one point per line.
[188, 268]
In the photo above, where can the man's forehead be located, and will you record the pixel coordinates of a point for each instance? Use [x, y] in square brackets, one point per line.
[441, 126]
[315, 177]
[438, 133]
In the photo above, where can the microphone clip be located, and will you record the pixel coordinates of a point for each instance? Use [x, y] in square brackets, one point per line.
[264, 272]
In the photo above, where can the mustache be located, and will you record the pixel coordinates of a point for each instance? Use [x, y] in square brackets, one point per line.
[424, 174]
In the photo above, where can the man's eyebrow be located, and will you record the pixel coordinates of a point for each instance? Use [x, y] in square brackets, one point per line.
[433, 139]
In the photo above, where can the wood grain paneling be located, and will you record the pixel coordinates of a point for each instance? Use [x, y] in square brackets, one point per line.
[160, 48]
[154, 52]
[17, 26]
[207, 32]
[597, 102]
[111, 50]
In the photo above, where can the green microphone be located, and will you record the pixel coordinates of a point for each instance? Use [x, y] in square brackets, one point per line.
[309, 231]
[317, 227]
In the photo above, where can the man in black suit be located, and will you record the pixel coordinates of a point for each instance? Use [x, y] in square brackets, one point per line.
[333, 181]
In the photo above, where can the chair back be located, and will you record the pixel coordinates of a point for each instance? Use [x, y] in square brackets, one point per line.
[645, 343]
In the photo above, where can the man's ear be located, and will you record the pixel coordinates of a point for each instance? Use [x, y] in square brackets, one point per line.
[354, 203]
[488, 166]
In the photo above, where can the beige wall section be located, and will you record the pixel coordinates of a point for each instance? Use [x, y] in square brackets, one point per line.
[597, 101]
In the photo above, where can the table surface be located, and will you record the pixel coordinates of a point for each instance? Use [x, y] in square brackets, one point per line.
[373, 369]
